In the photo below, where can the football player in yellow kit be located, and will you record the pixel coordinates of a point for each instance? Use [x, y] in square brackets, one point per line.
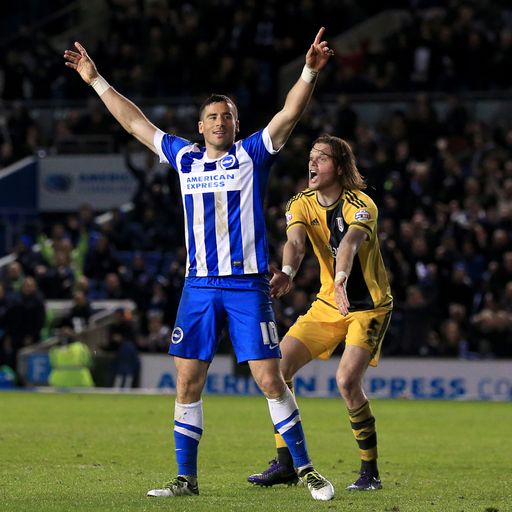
[353, 305]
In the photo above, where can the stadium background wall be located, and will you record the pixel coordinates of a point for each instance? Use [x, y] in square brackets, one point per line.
[395, 378]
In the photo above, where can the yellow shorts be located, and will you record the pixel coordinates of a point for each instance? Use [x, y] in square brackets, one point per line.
[323, 328]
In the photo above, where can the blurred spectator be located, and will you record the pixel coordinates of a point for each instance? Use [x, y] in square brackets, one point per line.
[86, 217]
[492, 329]
[29, 315]
[111, 288]
[122, 342]
[13, 278]
[24, 133]
[459, 289]
[82, 285]
[101, 260]
[501, 275]
[159, 301]
[452, 342]
[145, 177]
[158, 337]
[416, 323]
[70, 362]
[25, 255]
[78, 317]
[138, 282]
[120, 231]
[7, 351]
[56, 281]
[60, 242]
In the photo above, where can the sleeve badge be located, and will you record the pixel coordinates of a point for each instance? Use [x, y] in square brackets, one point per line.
[362, 215]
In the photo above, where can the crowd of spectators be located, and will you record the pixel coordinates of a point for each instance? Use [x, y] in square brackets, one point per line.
[444, 190]
[152, 43]
[442, 180]
[443, 184]
[458, 46]
[443, 46]
[81, 261]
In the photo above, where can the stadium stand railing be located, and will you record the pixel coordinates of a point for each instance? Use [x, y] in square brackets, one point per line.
[95, 336]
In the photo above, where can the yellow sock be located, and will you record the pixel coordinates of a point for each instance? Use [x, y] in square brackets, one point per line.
[362, 422]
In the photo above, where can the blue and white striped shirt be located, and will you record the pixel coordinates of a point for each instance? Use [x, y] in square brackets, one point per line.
[223, 203]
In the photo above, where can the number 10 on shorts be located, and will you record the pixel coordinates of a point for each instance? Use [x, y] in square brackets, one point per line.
[269, 334]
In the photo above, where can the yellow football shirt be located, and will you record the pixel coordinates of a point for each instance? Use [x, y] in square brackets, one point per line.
[368, 286]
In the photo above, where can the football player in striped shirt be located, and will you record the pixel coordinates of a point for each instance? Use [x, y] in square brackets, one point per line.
[353, 305]
[223, 184]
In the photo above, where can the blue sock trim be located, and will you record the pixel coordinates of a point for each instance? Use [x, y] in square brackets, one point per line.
[192, 428]
[287, 420]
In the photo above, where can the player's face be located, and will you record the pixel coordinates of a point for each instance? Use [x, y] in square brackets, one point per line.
[323, 170]
[218, 126]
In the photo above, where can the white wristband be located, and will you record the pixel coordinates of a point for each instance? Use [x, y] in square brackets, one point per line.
[340, 276]
[308, 75]
[100, 85]
[288, 270]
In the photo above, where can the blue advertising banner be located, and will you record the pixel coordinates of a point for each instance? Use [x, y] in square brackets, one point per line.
[38, 368]
[66, 182]
[432, 379]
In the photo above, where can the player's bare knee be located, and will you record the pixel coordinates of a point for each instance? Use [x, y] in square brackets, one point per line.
[188, 391]
[348, 385]
[272, 386]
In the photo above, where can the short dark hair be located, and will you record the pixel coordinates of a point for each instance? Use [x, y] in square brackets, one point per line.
[218, 98]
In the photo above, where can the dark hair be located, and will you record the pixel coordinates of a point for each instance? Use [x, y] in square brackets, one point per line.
[218, 98]
[342, 154]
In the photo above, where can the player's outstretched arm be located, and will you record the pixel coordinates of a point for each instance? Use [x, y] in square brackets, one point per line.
[282, 124]
[126, 113]
[293, 254]
[344, 260]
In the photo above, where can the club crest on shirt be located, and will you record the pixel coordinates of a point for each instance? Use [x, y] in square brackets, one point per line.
[362, 215]
[339, 222]
[227, 162]
[177, 335]
[289, 217]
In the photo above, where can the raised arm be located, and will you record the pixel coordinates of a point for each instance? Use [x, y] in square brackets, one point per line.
[126, 113]
[293, 254]
[344, 260]
[282, 124]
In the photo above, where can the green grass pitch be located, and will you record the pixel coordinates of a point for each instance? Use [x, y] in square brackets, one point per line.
[86, 452]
